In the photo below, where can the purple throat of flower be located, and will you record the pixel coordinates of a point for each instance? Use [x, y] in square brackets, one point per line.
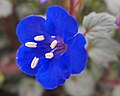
[60, 48]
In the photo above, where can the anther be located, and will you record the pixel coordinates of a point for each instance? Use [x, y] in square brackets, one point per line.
[31, 44]
[49, 55]
[34, 62]
[39, 38]
[53, 44]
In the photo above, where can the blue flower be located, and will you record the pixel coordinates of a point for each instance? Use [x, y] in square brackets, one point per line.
[52, 49]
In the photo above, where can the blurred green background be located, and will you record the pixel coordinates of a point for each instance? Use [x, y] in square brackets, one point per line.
[99, 78]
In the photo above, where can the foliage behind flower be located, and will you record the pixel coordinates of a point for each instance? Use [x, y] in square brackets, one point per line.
[5, 8]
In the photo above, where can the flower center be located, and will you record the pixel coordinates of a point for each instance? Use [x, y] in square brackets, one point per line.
[58, 47]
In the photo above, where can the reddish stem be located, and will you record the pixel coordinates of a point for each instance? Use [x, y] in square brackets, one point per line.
[85, 33]
[88, 49]
[9, 31]
[71, 10]
[111, 83]
[76, 3]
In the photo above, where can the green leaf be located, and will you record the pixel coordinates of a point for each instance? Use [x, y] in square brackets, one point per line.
[104, 50]
[30, 87]
[113, 6]
[99, 25]
[116, 91]
[82, 85]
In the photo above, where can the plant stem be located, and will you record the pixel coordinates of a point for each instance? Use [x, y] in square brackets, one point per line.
[9, 32]
[85, 33]
[78, 7]
[76, 3]
[71, 9]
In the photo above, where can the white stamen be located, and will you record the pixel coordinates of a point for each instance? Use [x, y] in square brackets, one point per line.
[53, 44]
[34, 62]
[31, 44]
[53, 36]
[39, 38]
[49, 55]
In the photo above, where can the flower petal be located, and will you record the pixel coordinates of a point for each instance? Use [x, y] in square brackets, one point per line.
[52, 74]
[24, 58]
[29, 27]
[76, 55]
[60, 22]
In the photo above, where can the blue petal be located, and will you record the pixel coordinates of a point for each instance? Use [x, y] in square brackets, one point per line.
[29, 27]
[60, 23]
[52, 74]
[76, 55]
[24, 58]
